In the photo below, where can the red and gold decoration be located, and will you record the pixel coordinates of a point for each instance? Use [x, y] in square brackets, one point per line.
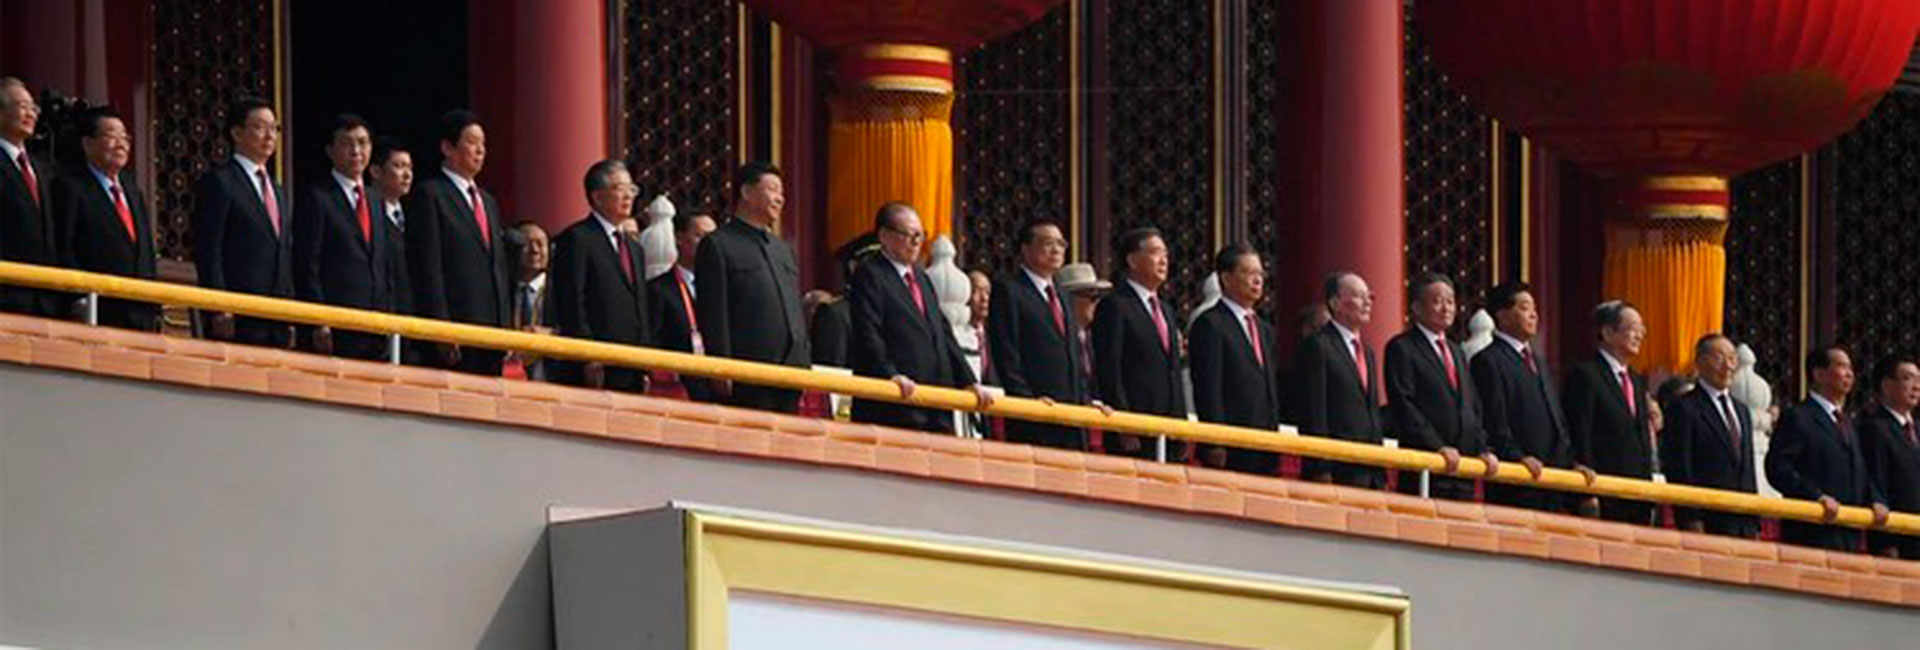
[1669, 98]
[891, 136]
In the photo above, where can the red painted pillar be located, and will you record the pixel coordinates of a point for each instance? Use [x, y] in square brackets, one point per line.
[1342, 192]
[539, 82]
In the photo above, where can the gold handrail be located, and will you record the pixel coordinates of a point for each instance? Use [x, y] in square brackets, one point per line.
[1285, 440]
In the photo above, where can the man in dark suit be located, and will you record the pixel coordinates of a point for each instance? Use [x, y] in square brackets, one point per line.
[1136, 347]
[749, 300]
[1430, 401]
[1708, 440]
[242, 226]
[1815, 455]
[898, 330]
[1230, 348]
[26, 231]
[102, 218]
[1523, 417]
[342, 251]
[1607, 411]
[596, 290]
[391, 173]
[1032, 333]
[456, 248]
[532, 253]
[1887, 436]
[1338, 382]
[671, 297]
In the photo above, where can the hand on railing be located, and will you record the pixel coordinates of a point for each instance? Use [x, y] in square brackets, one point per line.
[323, 339]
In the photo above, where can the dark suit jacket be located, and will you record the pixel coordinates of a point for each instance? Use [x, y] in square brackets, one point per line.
[589, 294]
[893, 337]
[335, 263]
[749, 297]
[1893, 462]
[1809, 458]
[1696, 449]
[1132, 370]
[1606, 435]
[671, 328]
[1031, 355]
[831, 331]
[1229, 384]
[94, 239]
[1523, 416]
[399, 276]
[235, 246]
[27, 234]
[1333, 400]
[455, 274]
[1423, 406]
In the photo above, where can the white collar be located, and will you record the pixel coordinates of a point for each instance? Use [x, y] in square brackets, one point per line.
[1240, 313]
[1146, 295]
[1899, 417]
[685, 274]
[247, 165]
[612, 229]
[1826, 406]
[1432, 336]
[346, 184]
[1518, 345]
[391, 205]
[898, 268]
[13, 150]
[539, 283]
[1713, 393]
[462, 183]
[1347, 336]
[1614, 367]
[1038, 282]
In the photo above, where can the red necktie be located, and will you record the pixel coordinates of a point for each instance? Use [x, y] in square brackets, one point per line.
[913, 288]
[1253, 335]
[1626, 387]
[626, 258]
[268, 199]
[126, 213]
[480, 216]
[1733, 421]
[1160, 324]
[363, 213]
[1059, 315]
[1446, 360]
[1526, 354]
[1360, 362]
[26, 173]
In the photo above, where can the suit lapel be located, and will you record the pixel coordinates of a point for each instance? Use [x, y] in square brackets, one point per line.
[463, 213]
[238, 182]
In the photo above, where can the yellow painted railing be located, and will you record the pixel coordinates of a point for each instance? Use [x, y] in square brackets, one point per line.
[1285, 440]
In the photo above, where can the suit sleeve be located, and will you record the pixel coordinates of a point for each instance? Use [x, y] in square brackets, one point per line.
[1784, 456]
[307, 247]
[212, 210]
[1494, 413]
[424, 234]
[567, 295]
[869, 351]
[1581, 401]
[1003, 328]
[1206, 359]
[710, 270]
[1403, 407]
[399, 275]
[1313, 387]
[1875, 450]
[1109, 355]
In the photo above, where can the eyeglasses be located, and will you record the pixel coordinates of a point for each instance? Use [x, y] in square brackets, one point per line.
[916, 236]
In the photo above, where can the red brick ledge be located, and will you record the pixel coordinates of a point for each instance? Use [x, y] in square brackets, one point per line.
[688, 425]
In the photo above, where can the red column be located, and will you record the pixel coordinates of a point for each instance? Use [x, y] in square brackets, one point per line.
[539, 82]
[1341, 187]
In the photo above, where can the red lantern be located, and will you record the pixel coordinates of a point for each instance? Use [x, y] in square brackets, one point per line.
[1672, 97]
[952, 25]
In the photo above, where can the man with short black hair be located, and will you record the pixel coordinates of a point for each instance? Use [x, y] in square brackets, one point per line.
[1892, 447]
[1431, 402]
[1136, 345]
[242, 226]
[597, 291]
[1815, 455]
[1233, 368]
[391, 173]
[749, 299]
[27, 234]
[671, 299]
[898, 331]
[1523, 417]
[1032, 331]
[1607, 412]
[460, 262]
[343, 252]
[104, 224]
